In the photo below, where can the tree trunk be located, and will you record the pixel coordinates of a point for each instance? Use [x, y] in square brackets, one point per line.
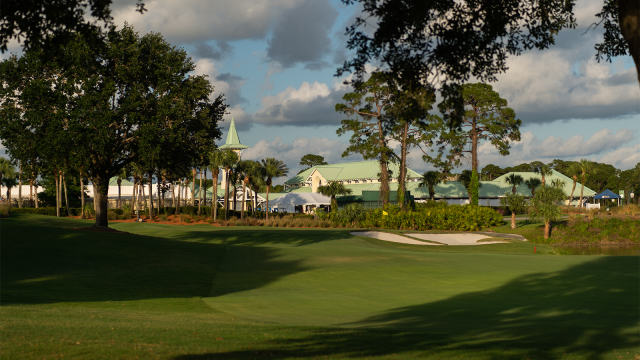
[35, 195]
[66, 198]
[547, 229]
[144, 196]
[513, 190]
[581, 190]
[575, 180]
[100, 190]
[226, 197]
[119, 193]
[267, 205]
[200, 193]
[193, 187]
[235, 197]
[384, 160]
[134, 197]
[204, 196]
[30, 192]
[403, 168]
[186, 187]
[542, 181]
[513, 220]
[244, 198]
[20, 185]
[474, 147]
[81, 197]
[151, 196]
[214, 200]
[629, 22]
[176, 199]
[55, 175]
[159, 193]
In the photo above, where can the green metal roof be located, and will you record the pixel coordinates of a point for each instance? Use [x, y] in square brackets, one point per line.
[524, 190]
[233, 141]
[350, 171]
[125, 182]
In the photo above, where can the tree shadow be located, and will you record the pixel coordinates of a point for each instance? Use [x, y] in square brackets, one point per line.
[588, 311]
[255, 236]
[46, 264]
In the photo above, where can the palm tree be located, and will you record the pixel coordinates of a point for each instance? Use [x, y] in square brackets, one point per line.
[333, 189]
[514, 180]
[256, 180]
[250, 169]
[573, 171]
[121, 175]
[585, 166]
[215, 163]
[533, 184]
[544, 206]
[516, 203]
[6, 168]
[543, 170]
[9, 182]
[429, 180]
[230, 159]
[273, 168]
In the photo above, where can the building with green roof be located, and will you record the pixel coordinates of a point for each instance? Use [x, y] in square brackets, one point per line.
[363, 176]
[353, 173]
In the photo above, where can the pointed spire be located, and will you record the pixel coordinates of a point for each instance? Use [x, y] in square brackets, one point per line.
[233, 141]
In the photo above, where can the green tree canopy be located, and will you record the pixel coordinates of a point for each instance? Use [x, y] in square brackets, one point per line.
[311, 160]
[486, 118]
[130, 99]
[334, 189]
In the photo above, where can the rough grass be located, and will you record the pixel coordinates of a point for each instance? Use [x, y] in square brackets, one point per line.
[201, 292]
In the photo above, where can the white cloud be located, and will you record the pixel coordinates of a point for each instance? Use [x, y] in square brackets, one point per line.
[291, 152]
[623, 158]
[225, 83]
[603, 146]
[195, 20]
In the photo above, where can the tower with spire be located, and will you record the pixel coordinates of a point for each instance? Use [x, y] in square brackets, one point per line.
[232, 143]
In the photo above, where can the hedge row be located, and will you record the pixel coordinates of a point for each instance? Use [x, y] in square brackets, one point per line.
[452, 217]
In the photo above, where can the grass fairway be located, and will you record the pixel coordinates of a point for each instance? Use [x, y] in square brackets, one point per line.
[200, 292]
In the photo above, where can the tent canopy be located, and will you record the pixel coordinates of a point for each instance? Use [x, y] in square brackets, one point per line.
[301, 199]
[607, 194]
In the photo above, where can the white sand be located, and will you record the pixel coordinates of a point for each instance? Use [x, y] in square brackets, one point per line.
[455, 239]
[449, 239]
[390, 237]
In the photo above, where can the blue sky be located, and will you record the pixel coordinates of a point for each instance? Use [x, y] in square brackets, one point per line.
[275, 61]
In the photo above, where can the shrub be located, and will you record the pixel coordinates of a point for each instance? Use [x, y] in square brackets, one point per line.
[126, 214]
[111, 215]
[443, 217]
[187, 219]
[163, 217]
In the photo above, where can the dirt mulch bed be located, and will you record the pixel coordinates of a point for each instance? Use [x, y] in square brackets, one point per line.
[171, 220]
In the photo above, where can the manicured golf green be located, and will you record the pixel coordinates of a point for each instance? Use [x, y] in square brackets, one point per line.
[203, 292]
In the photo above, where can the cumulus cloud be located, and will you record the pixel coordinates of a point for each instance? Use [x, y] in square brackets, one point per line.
[309, 105]
[623, 158]
[218, 50]
[196, 21]
[603, 146]
[302, 35]
[566, 82]
[228, 84]
[291, 152]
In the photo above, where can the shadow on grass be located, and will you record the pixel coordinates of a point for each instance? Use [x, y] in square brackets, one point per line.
[41, 263]
[587, 311]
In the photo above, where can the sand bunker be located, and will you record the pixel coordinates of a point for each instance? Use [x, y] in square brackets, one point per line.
[390, 237]
[456, 239]
[442, 239]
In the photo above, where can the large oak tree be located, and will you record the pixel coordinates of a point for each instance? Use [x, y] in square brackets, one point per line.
[130, 99]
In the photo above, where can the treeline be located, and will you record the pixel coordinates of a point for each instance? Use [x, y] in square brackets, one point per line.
[598, 176]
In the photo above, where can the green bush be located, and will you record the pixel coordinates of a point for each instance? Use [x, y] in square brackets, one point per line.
[51, 211]
[112, 215]
[444, 217]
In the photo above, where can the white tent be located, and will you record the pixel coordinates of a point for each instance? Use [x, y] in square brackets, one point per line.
[289, 201]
